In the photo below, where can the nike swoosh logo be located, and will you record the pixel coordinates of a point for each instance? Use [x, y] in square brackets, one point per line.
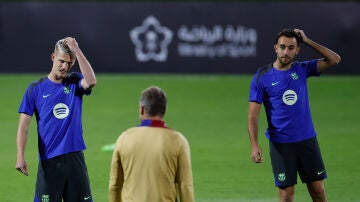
[274, 83]
[45, 96]
[320, 172]
[87, 198]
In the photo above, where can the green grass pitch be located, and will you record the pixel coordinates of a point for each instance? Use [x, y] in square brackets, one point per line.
[211, 111]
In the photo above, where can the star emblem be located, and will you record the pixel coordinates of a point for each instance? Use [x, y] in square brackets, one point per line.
[151, 40]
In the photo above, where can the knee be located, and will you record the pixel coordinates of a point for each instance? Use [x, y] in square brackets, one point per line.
[317, 193]
[286, 194]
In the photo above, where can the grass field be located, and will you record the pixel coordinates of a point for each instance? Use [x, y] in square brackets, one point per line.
[211, 111]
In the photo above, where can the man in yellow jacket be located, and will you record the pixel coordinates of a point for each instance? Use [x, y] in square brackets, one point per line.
[151, 162]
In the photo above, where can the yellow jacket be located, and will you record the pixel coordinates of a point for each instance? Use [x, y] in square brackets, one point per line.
[151, 164]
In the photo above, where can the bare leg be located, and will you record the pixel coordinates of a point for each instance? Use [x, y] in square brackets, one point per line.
[286, 194]
[317, 191]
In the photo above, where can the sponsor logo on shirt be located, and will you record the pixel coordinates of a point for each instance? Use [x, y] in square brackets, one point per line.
[45, 96]
[289, 97]
[61, 111]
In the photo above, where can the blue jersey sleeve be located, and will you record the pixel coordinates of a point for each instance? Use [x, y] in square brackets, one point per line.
[76, 78]
[256, 86]
[256, 90]
[27, 105]
[311, 68]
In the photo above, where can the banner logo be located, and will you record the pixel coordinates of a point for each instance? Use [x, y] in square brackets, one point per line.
[217, 41]
[151, 40]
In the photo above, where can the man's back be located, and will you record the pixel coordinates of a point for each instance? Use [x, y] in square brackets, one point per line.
[155, 165]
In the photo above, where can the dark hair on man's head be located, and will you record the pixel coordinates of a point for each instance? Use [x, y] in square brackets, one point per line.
[154, 101]
[290, 33]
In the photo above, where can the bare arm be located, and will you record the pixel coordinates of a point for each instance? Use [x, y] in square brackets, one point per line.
[253, 117]
[87, 71]
[330, 57]
[21, 139]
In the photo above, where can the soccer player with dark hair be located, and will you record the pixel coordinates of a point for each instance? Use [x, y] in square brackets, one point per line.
[151, 162]
[281, 86]
[56, 101]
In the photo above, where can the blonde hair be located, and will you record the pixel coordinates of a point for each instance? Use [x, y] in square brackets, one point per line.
[61, 46]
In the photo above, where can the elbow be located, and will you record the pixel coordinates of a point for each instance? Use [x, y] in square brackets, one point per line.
[88, 84]
[336, 60]
[333, 61]
[92, 83]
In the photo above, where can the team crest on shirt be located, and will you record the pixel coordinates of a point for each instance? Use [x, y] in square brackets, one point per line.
[294, 76]
[61, 111]
[67, 90]
[289, 97]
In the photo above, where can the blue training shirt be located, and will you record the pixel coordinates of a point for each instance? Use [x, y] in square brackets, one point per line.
[285, 97]
[58, 109]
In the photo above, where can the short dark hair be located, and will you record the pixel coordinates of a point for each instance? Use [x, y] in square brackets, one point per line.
[154, 101]
[290, 33]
